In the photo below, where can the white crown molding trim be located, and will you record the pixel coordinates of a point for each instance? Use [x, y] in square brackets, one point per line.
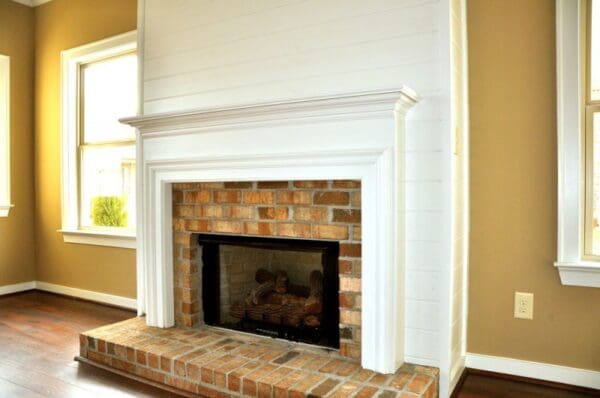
[345, 106]
[88, 295]
[32, 3]
[17, 287]
[535, 370]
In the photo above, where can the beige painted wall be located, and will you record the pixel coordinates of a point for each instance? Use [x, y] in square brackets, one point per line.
[60, 25]
[513, 192]
[17, 254]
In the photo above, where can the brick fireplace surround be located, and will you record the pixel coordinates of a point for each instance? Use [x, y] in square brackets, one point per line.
[325, 210]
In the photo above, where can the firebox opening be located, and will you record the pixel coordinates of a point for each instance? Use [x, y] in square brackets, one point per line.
[283, 288]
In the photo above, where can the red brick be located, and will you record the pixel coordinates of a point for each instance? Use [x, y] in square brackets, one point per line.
[294, 230]
[234, 227]
[261, 198]
[357, 233]
[210, 211]
[178, 224]
[183, 211]
[238, 184]
[177, 196]
[280, 389]
[294, 197]
[348, 284]
[233, 196]
[350, 250]
[141, 357]
[123, 365]
[310, 184]
[310, 214]
[332, 198]
[338, 232]
[273, 213]
[346, 184]
[301, 389]
[197, 225]
[196, 197]
[324, 388]
[419, 383]
[243, 212]
[355, 199]
[344, 266]
[259, 228]
[346, 215]
[153, 360]
[346, 300]
[272, 184]
[350, 317]
[150, 374]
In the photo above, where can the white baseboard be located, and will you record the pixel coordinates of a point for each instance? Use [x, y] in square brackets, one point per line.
[71, 291]
[17, 287]
[88, 295]
[535, 370]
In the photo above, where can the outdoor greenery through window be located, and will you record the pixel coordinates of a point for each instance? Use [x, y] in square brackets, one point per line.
[592, 129]
[107, 92]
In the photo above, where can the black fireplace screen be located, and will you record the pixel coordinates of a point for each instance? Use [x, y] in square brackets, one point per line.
[284, 288]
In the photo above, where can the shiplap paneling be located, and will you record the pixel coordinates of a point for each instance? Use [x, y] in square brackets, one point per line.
[207, 54]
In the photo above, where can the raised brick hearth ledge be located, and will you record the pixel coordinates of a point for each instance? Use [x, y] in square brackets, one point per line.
[213, 362]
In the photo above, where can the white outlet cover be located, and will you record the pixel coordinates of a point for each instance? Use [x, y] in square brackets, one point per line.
[523, 305]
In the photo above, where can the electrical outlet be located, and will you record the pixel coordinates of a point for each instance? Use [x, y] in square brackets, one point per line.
[523, 305]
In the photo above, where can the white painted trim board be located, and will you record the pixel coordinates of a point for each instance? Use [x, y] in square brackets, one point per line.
[535, 370]
[98, 297]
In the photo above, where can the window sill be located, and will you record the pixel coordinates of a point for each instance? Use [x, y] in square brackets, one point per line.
[125, 241]
[4, 209]
[581, 273]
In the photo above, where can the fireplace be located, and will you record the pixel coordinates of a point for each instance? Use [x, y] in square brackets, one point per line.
[283, 288]
[235, 243]
[358, 136]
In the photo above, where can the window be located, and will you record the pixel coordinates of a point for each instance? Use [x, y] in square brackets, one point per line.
[4, 135]
[99, 86]
[578, 125]
[592, 129]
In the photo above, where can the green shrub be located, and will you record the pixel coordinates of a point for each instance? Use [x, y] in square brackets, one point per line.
[109, 211]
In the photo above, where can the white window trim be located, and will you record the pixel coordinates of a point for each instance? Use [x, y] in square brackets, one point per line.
[5, 204]
[70, 62]
[573, 269]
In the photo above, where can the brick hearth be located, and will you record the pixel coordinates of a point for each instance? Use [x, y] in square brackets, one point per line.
[213, 362]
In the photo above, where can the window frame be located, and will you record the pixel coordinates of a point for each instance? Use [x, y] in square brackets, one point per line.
[575, 268]
[5, 202]
[590, 107]
[71, 61]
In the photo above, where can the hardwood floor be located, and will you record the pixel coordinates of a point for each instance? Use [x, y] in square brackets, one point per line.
[39, 338]
[483, 386]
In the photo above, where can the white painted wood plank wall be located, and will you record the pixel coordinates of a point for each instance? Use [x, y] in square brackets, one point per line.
[206, 54]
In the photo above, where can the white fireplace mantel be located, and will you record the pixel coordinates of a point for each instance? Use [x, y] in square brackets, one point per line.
[355, 136]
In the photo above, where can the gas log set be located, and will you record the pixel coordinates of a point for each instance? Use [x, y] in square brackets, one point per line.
[277, 301]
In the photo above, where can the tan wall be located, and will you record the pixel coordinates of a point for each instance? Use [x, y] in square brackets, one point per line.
[513, 192]
[60, 25]
[17, 255]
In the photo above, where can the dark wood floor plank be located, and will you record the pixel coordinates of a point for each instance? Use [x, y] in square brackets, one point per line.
[483, 386]
[39, 337]
[8, 389]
